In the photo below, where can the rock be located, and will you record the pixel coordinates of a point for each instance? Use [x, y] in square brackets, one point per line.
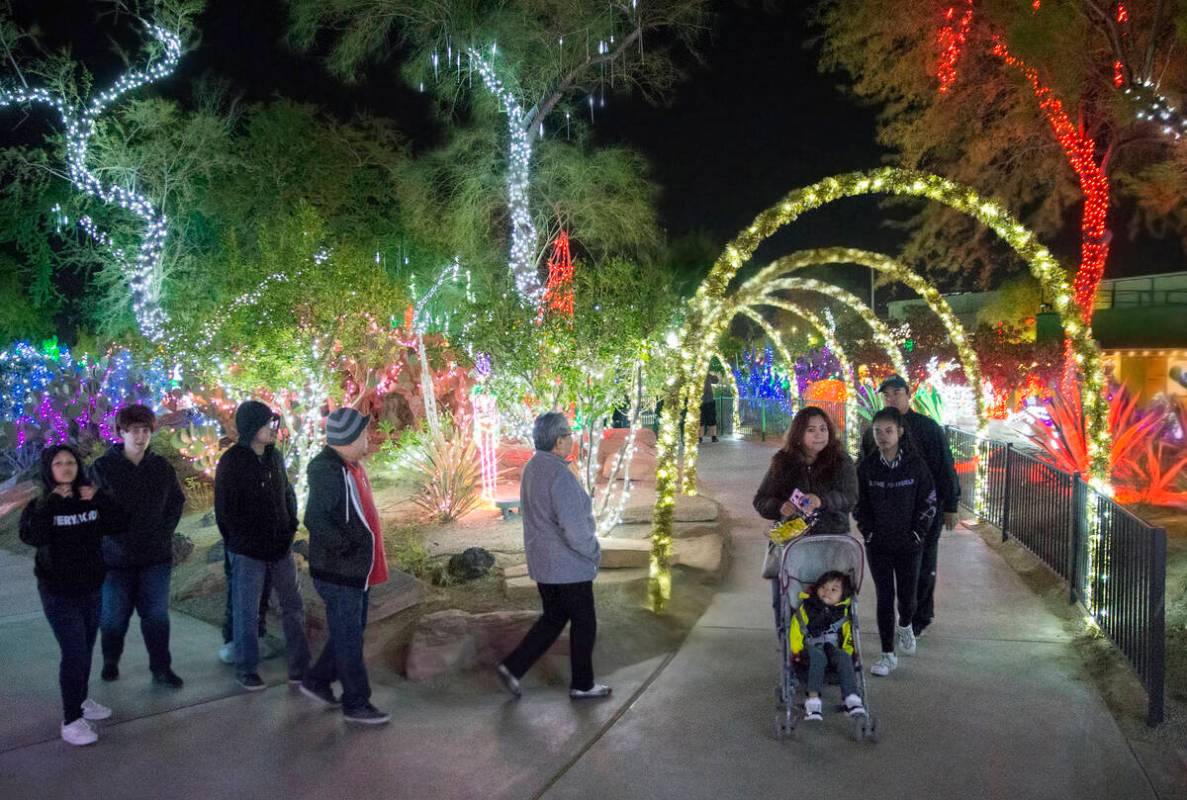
[200, 583]
[470, 564]
[520, 586]
[642, 466]
[301, 548]
[700, 552]
[688, 509]
[515, 571]
[399, 592]
[208, 520]
[183, 548]
[216, 553]
[451, 641]
[625, 553]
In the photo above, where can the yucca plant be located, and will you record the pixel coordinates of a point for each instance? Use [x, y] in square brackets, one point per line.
[1155, 479]
[447, 468]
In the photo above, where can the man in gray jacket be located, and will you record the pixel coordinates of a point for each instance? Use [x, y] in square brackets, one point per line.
[563, 555]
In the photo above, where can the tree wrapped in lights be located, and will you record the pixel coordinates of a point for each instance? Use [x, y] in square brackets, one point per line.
[544, 71]
[703, 318]
[79, 117]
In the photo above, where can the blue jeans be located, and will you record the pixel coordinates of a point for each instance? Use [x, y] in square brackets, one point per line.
[145, 590]
[229, 617]
[248, 576]
[818, 658]
[75, 622]
[342, 658]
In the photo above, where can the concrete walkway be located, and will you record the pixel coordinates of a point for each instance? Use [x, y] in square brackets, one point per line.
[996, 705]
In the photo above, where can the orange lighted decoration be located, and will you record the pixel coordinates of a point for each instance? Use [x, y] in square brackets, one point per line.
[558, 294]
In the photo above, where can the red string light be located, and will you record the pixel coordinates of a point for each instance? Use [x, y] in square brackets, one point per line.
[1122, 13]
[1094, 184]
[558, 294]
[952, 37]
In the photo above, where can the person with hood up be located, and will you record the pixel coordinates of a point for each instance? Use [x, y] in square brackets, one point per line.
[256, 511]
[144, 488]
[346, 558]
[66, 525]
[896, 506]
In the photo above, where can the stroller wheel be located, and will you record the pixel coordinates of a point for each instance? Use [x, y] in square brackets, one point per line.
[861, 728]
[872, 730]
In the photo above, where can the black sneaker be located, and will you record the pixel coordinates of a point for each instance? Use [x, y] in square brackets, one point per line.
[251, 682]
[714, 439]
[366, 715]
[323, 694]
[111, 671]
[168, 677]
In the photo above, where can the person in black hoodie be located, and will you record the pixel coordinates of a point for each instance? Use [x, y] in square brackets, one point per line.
[66, 525]
[896, 506]
[144, 487]
[256, 511]
[928, 440]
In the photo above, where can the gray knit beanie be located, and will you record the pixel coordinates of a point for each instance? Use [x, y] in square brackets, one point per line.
[344, 425]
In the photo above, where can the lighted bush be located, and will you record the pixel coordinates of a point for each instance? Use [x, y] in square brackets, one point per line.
[448, 471]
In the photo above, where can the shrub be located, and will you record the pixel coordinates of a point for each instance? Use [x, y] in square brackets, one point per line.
[448, 471]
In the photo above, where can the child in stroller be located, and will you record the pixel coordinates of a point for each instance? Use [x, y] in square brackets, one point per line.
[822, 629]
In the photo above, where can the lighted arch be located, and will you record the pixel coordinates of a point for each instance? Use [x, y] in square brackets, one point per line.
[735, 417]
[713, 290]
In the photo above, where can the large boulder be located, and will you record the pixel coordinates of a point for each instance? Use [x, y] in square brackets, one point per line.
[470, 564]
[625, 553]
[216, 553]
[451, 641]
[203, 582]
[642, 466]
[183, 548]
[696, 508]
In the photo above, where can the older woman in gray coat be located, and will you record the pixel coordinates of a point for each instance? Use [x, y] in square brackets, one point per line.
[563, 555]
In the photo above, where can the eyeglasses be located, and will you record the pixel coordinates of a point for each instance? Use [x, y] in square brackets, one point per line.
[566, 433]
[274, 423]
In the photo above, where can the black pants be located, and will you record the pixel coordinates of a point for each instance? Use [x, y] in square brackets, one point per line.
[564, 603]
[228, 620]
[75, 622]
[896, 575]
[925, 597]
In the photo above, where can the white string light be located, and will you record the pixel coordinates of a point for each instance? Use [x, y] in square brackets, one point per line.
[144, 273]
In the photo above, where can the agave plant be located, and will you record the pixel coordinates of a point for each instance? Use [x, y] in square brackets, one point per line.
[1156, 479]
[1064, 442]
[869, 402]
[448, 470]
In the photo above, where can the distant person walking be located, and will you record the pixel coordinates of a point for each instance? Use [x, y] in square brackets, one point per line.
[143, 485]
[66, 525]
[256, 511]
[896, 507]
[346, 558]
[709, 409]
[563, 555]
[927, 439]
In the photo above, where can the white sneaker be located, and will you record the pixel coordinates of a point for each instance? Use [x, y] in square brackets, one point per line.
[905, 641]
[884, 665]
[79, 733]
[226, 653]
[854, 707]
[595, 691]
[92, 710]
[812, 710]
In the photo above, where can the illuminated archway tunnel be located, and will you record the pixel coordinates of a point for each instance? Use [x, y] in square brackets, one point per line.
[715, 290]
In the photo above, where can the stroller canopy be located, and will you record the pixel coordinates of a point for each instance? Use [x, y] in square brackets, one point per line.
[805, 559]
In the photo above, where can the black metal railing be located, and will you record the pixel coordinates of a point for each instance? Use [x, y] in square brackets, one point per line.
[1113, 562]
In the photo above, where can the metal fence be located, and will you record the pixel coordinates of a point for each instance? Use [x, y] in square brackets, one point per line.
[1112, 561]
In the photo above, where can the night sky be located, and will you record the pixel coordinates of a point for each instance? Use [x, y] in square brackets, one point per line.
[754, 121]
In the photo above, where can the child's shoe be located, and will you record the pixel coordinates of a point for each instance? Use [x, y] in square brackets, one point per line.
[904, 640]
[812, 708]
[884, 665]
[854, 707]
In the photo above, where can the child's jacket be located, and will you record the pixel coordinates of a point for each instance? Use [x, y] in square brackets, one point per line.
[816, 623]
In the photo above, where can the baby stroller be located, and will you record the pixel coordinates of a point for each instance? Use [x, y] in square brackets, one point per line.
[803, 560]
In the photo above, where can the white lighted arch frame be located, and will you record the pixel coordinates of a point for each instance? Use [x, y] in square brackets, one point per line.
[736, 416]
[714, 289]
[144, 274]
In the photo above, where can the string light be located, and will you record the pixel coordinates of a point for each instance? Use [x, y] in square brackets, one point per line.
[714, 290]
[952, 36]
[144, 273]
[558, 293]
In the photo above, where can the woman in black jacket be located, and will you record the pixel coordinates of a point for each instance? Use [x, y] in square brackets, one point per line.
[66, 525]
[812, 461]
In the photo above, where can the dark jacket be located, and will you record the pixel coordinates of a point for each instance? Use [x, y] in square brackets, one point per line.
[788, 473]
[341, 545]
[254, 503]
[68, 534]
[927, 438]
[896, 505]
[150, 500]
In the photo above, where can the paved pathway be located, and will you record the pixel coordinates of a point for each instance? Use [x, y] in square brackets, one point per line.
[996, 705]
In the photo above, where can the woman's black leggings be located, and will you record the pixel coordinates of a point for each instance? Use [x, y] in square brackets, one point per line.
[896, 574]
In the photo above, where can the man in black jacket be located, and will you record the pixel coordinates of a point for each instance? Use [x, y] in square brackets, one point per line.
[144, 488]
[927, 439]
[256, 511]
